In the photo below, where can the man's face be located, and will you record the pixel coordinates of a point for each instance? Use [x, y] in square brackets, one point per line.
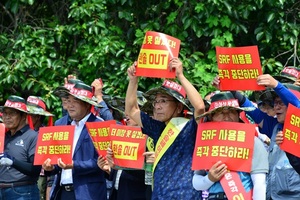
[77, 109]
[35, 120]
[280, 109]
[165, 107]
[11, 118]
[226, 115]
[64, 103]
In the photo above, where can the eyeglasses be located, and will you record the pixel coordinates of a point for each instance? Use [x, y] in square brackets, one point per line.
[278, 103]
[162, 102]
[10, 114]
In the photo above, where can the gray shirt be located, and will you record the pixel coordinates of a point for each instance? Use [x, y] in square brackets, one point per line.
[260, 162]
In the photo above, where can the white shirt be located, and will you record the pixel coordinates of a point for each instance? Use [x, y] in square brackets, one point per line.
[119, 172]
[66, 174]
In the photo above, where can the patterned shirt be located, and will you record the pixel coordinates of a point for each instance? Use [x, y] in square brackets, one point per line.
[173, 174]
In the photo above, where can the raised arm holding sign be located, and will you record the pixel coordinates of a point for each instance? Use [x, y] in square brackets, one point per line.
[281, 96]
[174, 141]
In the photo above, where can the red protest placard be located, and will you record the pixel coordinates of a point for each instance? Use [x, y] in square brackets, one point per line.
[54, 142]
[2, 136]
[128, 144]
[99, 132]
[155, 54]
[239, 68]
[233, 187]
[291, 129]
[229, 142]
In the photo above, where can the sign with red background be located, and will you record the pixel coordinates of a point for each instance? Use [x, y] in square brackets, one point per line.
[2, 136]
[54, 142]
[233, 187]
[229, 142]
[239, 68]
[99, 132]
[155, 54]
[128, 144]
[291, 129]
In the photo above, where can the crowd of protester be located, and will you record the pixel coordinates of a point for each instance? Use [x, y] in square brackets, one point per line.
[274, 173]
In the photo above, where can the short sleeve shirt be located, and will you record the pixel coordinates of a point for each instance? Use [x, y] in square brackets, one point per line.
[173, 174]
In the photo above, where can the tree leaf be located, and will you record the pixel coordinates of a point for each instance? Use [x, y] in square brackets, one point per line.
[225, 21]
[270, 17]
[259, 36]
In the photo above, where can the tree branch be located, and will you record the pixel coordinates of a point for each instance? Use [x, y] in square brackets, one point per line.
[7, 12]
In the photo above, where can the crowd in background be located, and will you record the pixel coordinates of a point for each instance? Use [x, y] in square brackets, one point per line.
[274, 173]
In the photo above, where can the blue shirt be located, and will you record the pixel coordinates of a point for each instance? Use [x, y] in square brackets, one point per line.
[173, 174]
[257, 115]
[269, 122]
[104, 111]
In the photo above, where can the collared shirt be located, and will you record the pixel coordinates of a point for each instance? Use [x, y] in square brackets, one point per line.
[173, 174]
[66, 174]
[119, 172]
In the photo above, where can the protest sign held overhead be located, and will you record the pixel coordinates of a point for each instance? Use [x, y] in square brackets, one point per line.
[155, 55]
[239, 68]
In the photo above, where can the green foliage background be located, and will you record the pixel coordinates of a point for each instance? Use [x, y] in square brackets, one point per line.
[42, 41]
